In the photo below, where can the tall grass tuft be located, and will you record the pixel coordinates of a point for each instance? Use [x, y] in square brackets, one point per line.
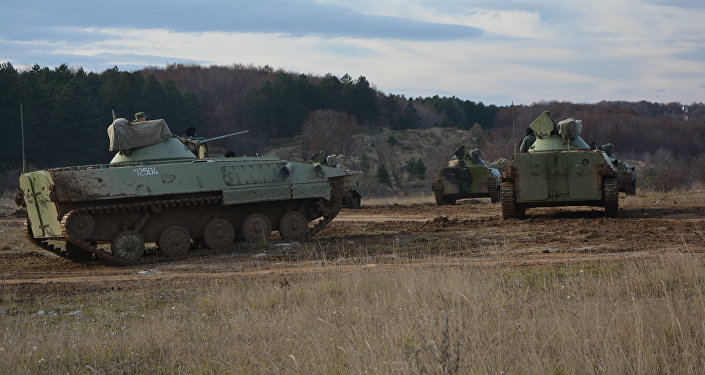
[644, 316]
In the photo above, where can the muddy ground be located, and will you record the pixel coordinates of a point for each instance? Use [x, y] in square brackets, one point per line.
[469, 234]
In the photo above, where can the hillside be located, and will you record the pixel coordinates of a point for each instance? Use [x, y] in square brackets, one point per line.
[433, 146]
[66, 111]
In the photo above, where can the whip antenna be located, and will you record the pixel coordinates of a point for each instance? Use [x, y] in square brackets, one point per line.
[22, 132]
[514, 133]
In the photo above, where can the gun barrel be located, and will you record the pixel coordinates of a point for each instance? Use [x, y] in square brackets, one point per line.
[222, 136]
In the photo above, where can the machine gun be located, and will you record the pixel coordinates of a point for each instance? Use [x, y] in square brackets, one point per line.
[199, 145]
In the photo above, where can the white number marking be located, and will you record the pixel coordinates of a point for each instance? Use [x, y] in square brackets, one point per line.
[146, 171]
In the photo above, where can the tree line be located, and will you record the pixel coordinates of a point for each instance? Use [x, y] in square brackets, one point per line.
[66, 112]
[276, 103]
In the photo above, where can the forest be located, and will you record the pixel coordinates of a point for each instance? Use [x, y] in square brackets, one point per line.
[66, 110]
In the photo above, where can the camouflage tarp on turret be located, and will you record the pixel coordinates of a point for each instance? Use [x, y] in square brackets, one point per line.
[125, 135]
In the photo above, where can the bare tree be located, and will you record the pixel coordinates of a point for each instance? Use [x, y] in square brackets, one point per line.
[330, 131]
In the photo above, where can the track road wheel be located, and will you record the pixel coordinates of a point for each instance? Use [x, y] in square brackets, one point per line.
[174, 241]
[128, 246]
[79, 225]
[293, 226]
[219, 234]
[509, 206]
[611, 194]
[256, 229]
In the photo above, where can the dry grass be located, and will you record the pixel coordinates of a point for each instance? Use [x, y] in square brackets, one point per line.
[638, 317]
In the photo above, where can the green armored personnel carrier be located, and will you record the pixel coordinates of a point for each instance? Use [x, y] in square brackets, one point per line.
[559, 169]
[155, 190]
[466, 176]
[354, 198]
[626, 173]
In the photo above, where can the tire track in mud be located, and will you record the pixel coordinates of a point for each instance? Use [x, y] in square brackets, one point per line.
[392, 237]
[167, 276]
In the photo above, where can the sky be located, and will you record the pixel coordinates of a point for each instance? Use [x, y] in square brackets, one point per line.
[496, 52]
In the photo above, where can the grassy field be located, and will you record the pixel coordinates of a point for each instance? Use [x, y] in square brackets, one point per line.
[644, 316]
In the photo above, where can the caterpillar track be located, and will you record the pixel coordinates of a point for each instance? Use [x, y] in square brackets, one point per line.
[79, 249]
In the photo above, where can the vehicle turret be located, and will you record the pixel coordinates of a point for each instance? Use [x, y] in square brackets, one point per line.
[558, 169]
[563, 136]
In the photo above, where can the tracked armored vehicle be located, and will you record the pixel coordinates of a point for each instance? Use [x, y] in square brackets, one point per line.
[559, 169]
[354, 199]
[466, 176]
[156, 191]
[626, 177]
[626, 173]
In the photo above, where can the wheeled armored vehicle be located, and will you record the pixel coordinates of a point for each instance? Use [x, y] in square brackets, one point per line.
[466, 176]
[155, 190]
[559, 169]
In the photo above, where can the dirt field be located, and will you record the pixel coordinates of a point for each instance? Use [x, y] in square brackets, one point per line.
[470, 234]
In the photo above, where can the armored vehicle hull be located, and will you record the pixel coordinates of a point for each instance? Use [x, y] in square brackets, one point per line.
[178, 203]
[210, 201]
[454, 183]
[354, 199]
[466, 176]
[560, 169]
[626, 173]
[626, 176]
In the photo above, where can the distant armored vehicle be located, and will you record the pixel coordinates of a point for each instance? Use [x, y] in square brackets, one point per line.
[626, 173]
[354, 198]
[466, 176]
[559, 169]
[155, 190]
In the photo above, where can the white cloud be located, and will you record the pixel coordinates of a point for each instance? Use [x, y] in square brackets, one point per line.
[582, 51]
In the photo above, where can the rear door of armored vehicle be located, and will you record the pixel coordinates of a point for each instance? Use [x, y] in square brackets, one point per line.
[558, 177]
